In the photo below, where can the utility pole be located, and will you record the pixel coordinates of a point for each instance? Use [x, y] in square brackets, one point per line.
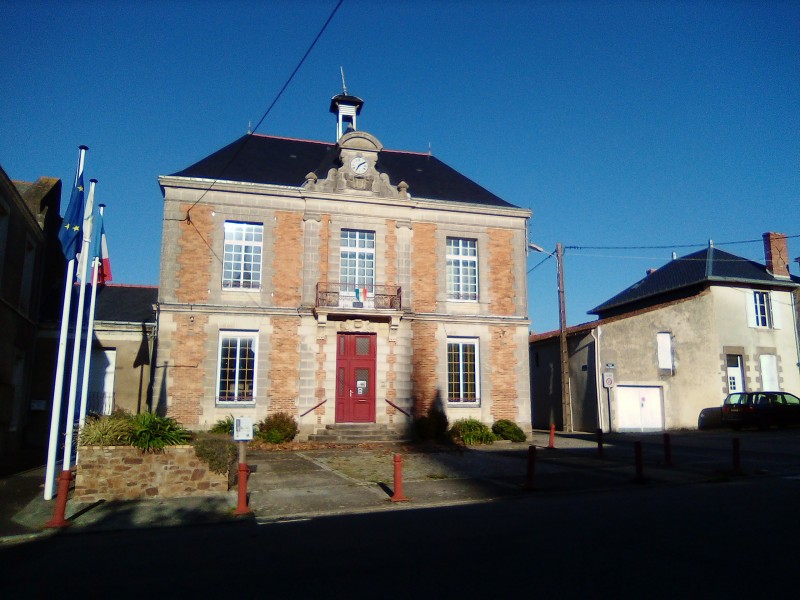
[566, 402]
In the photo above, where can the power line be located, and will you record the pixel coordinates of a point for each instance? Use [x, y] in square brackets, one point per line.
[668, 247]
[269, 109]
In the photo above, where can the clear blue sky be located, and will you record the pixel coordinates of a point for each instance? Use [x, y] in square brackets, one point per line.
[618, 123]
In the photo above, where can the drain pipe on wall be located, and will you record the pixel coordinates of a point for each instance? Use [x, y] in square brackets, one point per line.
[605, 420]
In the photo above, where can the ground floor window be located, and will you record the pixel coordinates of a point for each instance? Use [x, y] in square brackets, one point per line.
[463, 386]
[237, 364]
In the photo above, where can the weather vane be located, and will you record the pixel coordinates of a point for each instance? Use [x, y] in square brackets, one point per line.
[344, 86]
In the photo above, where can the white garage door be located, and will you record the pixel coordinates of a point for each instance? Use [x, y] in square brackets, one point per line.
[639, 409]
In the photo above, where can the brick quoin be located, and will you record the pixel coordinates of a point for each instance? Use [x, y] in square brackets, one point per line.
[320, 377]
[424, 365]
[324, 240]
[423, 264]
[504, 374]
[390, 276]
[284, 363]
[193, 273]
[391, 378]
[185, 374]
[288, 269]
[501, 272]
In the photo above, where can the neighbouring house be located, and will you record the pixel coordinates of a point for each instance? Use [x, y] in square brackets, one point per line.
[31, 273]
[675, 343]
[339, 282]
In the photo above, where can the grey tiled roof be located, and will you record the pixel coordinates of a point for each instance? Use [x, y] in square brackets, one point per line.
[126, 304]
[285, 161]
[688, 274]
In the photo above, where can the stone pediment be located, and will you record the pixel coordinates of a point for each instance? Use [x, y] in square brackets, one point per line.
[355, 170]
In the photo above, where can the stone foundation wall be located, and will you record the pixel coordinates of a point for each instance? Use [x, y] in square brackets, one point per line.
[124, 473]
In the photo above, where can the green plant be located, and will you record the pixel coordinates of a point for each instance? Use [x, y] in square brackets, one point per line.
[223, 426]
[152, 432]
[508, 430]
[277, 429]
[107, 430]
[471, 431]
[218, 451]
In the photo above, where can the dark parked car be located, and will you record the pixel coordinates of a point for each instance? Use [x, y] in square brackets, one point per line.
[760, 409]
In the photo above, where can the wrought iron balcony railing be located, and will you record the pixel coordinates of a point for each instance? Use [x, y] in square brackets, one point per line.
[333, 294]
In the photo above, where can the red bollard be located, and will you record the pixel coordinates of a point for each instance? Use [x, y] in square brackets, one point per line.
[600, 443]
[639, 463]
[667, 450]
[58, 519]
[529, 485]
[241, 507]
[737, 464]
[552, 443]
[398, 480]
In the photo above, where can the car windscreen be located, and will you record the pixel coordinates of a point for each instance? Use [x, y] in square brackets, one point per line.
[736, 399]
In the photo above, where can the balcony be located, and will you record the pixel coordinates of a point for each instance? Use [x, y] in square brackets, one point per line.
[332, 295]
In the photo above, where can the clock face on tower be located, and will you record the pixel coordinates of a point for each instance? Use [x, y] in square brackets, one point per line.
[359, 165]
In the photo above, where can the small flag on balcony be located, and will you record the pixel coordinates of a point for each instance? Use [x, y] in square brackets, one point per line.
[361, 294]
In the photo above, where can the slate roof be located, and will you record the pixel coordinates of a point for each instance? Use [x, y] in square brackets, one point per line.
[126, 304]
[689, 274]
[285, 161]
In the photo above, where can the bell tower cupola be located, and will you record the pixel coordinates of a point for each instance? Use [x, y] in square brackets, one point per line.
[346, 108]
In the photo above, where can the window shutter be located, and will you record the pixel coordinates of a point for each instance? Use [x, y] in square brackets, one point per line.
[664, 342]
[775, 307]
[750, 306]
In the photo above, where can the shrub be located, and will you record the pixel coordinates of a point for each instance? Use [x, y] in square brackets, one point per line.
[218, 451]
[277, 429]
[223, 426]
[152, 432]
[108, 430]
[508, 430]
[471, 431]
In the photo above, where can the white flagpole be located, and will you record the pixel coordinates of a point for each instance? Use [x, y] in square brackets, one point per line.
[58, 387]
[87, 361]
[76, 348]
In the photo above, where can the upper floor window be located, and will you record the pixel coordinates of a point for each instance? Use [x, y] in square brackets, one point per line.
[762, 310]
[237, 365]
[28, 267]
[462, 269]
[357, 261]
[241, 268]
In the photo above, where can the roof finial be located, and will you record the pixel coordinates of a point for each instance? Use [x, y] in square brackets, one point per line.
[710, 243]
[344, 85]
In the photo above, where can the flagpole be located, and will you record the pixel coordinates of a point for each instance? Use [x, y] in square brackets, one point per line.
[76, 348]
[87, 361]
[58, 386]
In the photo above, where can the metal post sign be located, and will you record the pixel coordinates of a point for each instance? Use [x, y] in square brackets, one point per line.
[242, 429]
[608, 379]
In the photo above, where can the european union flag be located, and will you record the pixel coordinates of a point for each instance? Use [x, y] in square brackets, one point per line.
[71, 233]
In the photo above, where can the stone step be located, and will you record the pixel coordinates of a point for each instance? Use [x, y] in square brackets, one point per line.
[356, 433]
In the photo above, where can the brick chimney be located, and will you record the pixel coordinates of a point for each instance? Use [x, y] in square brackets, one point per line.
[776, 254]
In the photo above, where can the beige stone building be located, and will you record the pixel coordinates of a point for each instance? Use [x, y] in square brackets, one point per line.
[340, 282]
[676, 343]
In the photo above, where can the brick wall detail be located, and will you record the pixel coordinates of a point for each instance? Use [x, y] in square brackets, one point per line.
[193, 272]
[319, 393]
[125, 473]
[186, 371]
[390, 276]
[424, 365]
[288, 267]
[503, 374]
[284, 361]
[391, 378]
[324, 240]
[424, 276]
[501, 272]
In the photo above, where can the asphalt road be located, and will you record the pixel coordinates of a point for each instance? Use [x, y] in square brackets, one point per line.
[735, 537]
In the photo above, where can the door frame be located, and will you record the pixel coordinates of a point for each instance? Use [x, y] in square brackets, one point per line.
[346, 391]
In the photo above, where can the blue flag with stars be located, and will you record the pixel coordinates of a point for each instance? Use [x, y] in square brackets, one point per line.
[71, 233]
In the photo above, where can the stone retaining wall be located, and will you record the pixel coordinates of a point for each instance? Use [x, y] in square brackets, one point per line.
[125, 473]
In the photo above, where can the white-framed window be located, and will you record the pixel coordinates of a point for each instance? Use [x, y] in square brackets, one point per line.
[462, 269]
[463, 368]
[236, 370]
[357, 262]
[241, 266]
[763, 309]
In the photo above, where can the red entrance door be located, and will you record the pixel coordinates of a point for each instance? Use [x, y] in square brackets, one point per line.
[355, 378]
